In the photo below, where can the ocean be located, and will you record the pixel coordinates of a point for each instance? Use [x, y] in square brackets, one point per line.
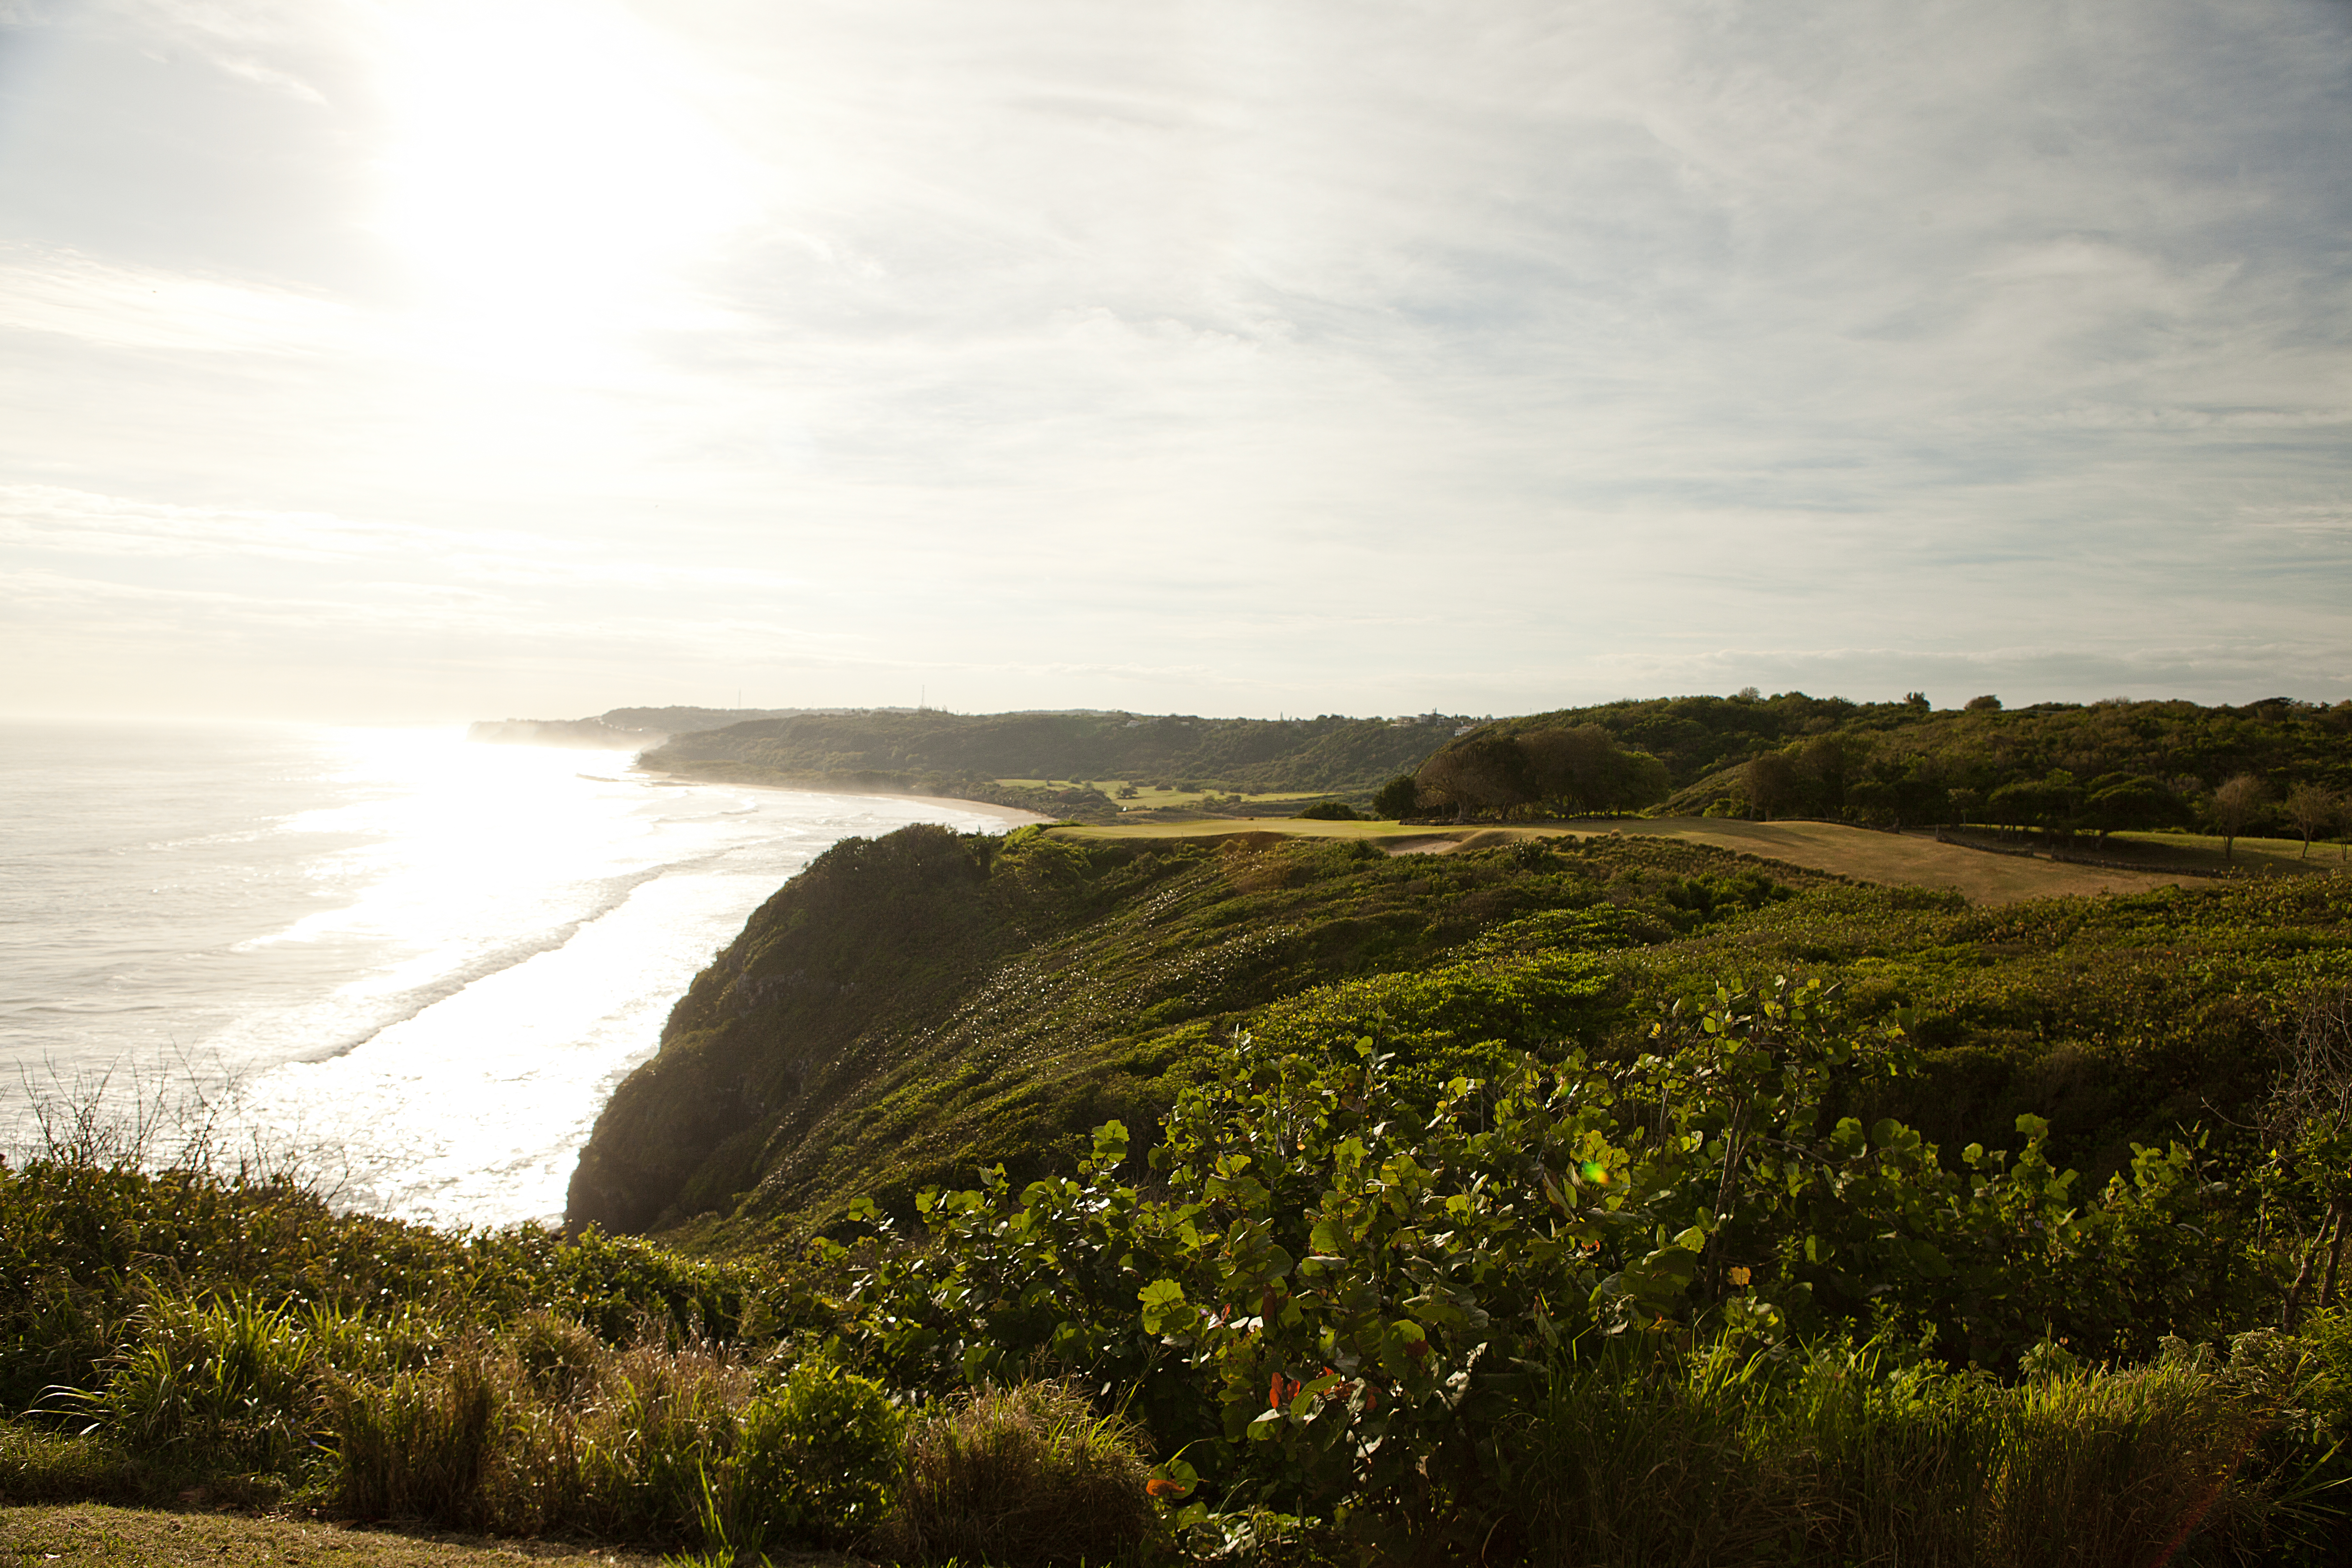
[419, 964]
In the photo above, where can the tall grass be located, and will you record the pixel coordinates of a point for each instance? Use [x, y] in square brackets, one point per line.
[1628, 1457]
[549, 1429]
[1018, 1476]
[227, 1380]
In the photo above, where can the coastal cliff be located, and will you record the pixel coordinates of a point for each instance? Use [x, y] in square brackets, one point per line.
[913, 1006]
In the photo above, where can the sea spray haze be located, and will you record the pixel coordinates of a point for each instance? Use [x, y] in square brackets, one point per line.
[426, 960]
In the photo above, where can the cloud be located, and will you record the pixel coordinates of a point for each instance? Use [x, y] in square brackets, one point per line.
[1528, 353]
[239, 39]
[44, 290]
[51, 520]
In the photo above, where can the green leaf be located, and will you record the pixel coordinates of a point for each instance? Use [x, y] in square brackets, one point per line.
[1926, 1257]
[1163, 1304]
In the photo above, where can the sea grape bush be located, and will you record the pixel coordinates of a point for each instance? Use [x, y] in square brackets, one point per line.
[1338, 1291]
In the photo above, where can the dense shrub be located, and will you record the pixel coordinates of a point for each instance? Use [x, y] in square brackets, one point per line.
[1342, 1291]
[1627, 1455]
[814, 1456]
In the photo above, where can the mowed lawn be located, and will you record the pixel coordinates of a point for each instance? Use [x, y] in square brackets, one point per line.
[1856, 852]
[1150, 796]
[2259, 855]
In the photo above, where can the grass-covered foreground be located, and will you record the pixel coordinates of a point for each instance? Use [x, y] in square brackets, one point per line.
[1607, 1203]
[1342, 1320]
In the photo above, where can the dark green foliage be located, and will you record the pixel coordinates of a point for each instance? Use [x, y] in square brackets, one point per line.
[112, 1267]
[1397, 799]
[950, 752]
[1628, 1456]
[649, 1443]
[1471, 1207]
[1551, 771]
[925, 1005]
[1387, 1309]
[2102, 768]
[815, 1458]
[2110, 765]
[1330, 811]
[2120, 1020]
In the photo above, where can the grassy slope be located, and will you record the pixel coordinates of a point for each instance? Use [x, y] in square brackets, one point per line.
[1857, 852]
[909, 1007]
[918, 1005]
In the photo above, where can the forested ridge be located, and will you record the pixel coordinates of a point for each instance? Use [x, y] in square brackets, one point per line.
[2065, 766]
[939, 751]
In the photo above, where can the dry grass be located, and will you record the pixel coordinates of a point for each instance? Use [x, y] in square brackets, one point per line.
[1856, 852]
[1021, 1478]
[1895, 858]
[1150, 796]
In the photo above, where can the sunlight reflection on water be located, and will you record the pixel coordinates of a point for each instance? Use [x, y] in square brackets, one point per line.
[427, 962]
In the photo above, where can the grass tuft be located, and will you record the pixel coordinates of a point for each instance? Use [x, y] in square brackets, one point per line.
[1030, 1477]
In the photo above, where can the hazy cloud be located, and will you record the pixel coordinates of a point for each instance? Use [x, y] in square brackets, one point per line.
[1373, 357]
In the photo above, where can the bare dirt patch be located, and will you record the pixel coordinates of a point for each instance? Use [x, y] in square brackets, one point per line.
[87, 1535]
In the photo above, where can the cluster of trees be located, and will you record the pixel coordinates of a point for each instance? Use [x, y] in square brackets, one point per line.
[1704, 740]
[1832, 776]
[1551, 772]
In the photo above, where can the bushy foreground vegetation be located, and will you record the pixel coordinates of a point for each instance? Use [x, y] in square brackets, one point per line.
[1677, 1308]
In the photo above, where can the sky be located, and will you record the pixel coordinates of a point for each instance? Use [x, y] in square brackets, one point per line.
[409, 362]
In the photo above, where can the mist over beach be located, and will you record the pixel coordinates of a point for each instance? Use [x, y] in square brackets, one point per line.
[416, 964]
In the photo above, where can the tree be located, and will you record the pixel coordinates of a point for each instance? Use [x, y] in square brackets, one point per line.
[1483, 773]
[2124, 802]
[1585, 769]
[1985, 704]
[2049, 803]
[1397, 799]
[2313, 808]
[1771, 781]
[2235, 805]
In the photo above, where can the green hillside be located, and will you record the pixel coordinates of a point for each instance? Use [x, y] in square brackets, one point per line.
[937, 753]
[914, 1007]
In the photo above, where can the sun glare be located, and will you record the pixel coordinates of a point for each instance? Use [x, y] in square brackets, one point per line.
[548, 174]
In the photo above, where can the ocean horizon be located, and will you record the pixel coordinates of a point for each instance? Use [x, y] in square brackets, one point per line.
[415, 963]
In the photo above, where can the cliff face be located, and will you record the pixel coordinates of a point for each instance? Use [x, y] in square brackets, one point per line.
[862, 948]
